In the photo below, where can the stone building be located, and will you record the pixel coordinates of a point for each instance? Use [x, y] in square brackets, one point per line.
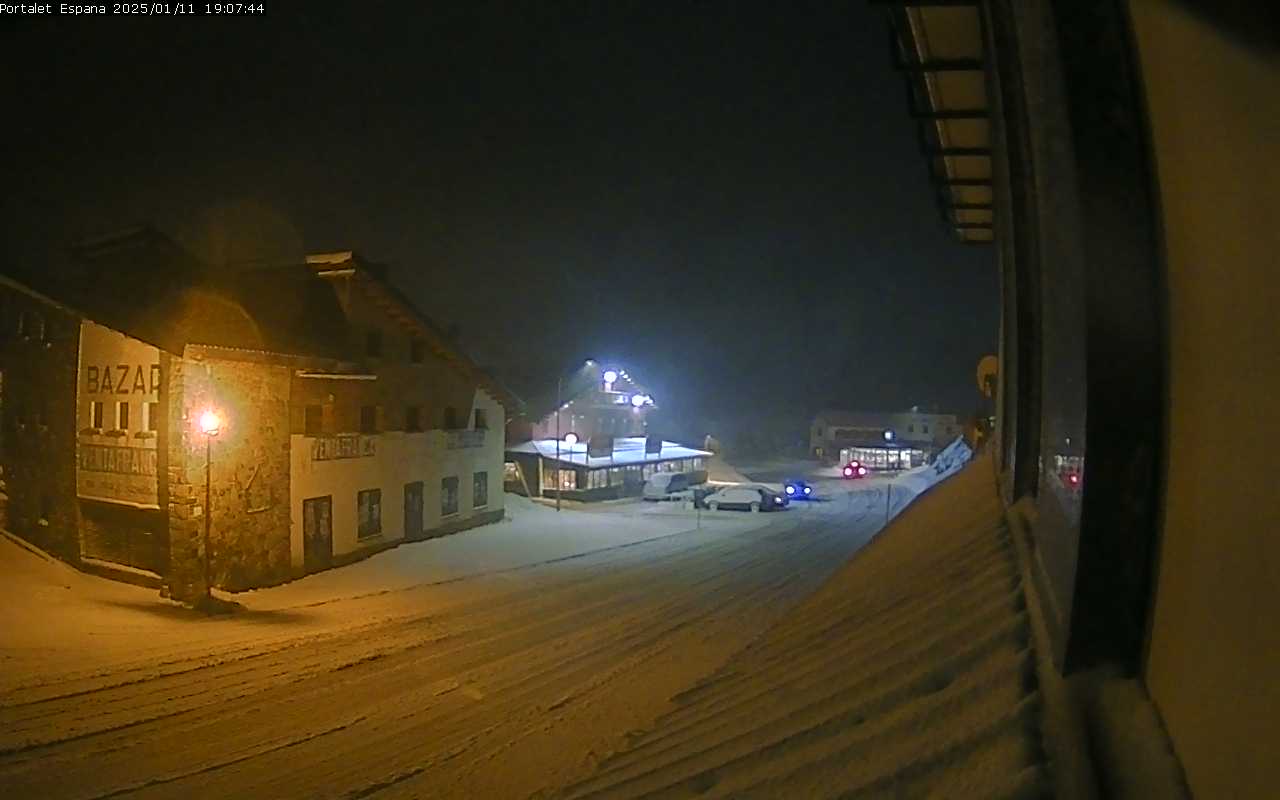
[347, 422]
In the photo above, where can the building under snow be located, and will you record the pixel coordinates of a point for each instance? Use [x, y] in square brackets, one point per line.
[613, 468]
[898, 440]
[346, 423]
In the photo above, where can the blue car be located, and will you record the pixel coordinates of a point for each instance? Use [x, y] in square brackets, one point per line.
[797, 490]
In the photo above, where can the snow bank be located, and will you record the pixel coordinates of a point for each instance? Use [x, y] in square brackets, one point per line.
[909, 673]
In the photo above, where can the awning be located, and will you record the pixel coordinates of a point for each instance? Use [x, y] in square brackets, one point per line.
[938, 46]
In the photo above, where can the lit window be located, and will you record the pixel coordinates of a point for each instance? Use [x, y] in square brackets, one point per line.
[480, 489]
[448, 496]
[96, 414]
[369, 507]
[122, 415]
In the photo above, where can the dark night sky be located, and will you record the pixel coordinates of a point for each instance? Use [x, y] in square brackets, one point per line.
[728, 203]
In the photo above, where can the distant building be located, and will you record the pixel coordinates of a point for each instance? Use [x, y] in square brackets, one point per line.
[590, 406]
[885, 440]
[348, 423]
[588, 439]
[540, 468]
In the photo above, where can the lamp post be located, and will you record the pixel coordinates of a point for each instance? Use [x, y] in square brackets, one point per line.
[559, 402]
[210, 424]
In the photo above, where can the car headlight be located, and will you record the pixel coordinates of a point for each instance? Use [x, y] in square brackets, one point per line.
[791, 490]
[807, 490]
[777, 499]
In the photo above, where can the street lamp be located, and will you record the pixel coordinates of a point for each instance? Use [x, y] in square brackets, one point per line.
[571, 439]
[210, 424]
[560, 407]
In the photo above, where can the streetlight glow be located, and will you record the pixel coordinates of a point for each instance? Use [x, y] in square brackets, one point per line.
[210, 424]
[571, 439]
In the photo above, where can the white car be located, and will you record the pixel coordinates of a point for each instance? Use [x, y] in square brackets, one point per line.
[746, 498]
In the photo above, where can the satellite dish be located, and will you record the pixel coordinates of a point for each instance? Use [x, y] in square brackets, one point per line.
[988, 371]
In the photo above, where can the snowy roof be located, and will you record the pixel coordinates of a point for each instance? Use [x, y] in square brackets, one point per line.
[628, 450]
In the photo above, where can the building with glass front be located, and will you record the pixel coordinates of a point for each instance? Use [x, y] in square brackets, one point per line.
[540, 468]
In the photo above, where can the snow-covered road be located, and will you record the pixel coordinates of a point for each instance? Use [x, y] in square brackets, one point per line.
[503, 684]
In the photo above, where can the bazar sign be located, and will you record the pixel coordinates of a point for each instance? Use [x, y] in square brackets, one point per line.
[327, 448]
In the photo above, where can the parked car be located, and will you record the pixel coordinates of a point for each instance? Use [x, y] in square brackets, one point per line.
[797, 489]
[746, 498]
[669, 486]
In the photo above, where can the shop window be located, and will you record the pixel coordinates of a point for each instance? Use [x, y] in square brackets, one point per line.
[480, 489]
[313, 420]
[368, 419]
[482, 420]
[510, 472]
[417, 351]
[448, 496]
[373, 344]
[151, 417]
[369, 508]
[96, 413]
[413, 419]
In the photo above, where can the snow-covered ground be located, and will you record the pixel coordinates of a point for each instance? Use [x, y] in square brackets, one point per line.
[87, 623]
[494, 663]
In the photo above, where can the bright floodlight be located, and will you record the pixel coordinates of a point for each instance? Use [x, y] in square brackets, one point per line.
[791, 490]
[209, 423]
[610, 376]
[888, 436]
[808, 490]
[571, 438]
[638, 400]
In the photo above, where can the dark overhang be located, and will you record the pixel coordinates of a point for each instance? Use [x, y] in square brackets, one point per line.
[937, 45]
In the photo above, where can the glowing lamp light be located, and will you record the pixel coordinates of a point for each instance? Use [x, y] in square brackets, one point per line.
[210, 423]
[791, 490]
[848, 470]
[888, 436]
[808, 490]
[638, 400]
[1074, 478]
[778, 500]
[862, 470]
[610, 376]
[571, 439]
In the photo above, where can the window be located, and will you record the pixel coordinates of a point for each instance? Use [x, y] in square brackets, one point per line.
[96, 414]
[597, 479]
[448, 496]
[912, 429]
[369, 507]
[31, 325]
[924, 428]
[417, 351]
[482, 420]
[368, 419]
[412, 418]
[479, 489]
[450, 418]
[151, 417]
[313, 420]
[122, 415]
[373, 344]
